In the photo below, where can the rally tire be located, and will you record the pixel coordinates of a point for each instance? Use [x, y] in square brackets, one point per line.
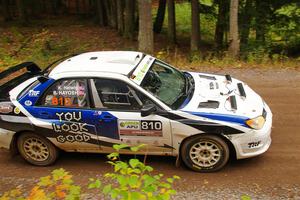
[205, 153]
[36, 149]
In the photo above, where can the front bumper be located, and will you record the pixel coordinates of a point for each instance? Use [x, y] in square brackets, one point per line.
[254, 142]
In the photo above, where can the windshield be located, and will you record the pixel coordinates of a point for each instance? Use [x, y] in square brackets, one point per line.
[166, 83]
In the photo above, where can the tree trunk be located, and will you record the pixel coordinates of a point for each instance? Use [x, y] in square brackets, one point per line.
[171, 21]
[234, 43]
[22, 11]
[160, 16]
[129, 19]
[145, 26]
[195, 33]
[6, 10]
[113, 12]
[120, 16]
[100, 12]
[107, 8]
[246, 20]
[221, 23]
[35, 8]
[54, 6]
[45, 7]
[77, 5]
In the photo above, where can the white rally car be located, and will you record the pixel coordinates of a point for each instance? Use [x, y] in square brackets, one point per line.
[91, 101]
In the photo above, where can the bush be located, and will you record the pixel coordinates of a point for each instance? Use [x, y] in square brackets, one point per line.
[130, 180]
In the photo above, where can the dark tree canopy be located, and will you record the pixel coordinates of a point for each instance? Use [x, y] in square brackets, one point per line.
[251, 24]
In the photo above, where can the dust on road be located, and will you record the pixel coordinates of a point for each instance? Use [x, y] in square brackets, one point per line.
[273, 175]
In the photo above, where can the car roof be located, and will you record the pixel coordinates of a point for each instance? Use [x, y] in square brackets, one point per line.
[120, 62]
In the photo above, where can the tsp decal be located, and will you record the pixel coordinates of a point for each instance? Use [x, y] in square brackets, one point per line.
[253, 144]
[33, 93]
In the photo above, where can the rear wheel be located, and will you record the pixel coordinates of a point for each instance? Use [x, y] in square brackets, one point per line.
[36, 149]
[205, 153]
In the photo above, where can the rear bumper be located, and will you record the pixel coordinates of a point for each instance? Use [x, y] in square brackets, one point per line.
[254, 142]
[6, 137]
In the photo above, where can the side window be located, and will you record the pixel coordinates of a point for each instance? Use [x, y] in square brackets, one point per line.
[67, 93]
[114, 94]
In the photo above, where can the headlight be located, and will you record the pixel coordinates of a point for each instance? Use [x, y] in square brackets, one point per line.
[256, 123]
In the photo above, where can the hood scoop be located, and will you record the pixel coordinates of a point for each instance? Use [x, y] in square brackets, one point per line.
[207, 77]
[209, 104]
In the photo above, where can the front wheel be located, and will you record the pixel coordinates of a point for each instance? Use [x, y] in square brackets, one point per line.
[36, 149]
[205, 153]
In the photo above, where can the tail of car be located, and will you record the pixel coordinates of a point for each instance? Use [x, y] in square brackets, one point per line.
[15, 75]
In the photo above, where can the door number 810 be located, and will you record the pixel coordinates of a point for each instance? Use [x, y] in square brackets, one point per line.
[151, 125]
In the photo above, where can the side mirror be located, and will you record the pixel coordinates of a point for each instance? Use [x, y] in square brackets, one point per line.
[148, 110]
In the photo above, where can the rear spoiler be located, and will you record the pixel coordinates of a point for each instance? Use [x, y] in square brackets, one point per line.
[8, 83]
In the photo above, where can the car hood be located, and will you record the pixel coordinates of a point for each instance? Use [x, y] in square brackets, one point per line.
[219, 97]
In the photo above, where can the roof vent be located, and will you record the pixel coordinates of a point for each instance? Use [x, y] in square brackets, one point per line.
[93, 58]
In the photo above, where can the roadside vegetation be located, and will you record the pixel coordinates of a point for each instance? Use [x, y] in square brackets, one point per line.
[48, 37]
[132, 180]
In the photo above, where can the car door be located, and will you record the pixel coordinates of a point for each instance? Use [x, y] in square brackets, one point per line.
[65, 117]
[121, 116]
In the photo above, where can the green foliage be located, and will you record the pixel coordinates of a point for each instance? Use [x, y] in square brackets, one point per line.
[41, 45]
[286, 31]
[133, 179]
[183, 21]
[245, 197]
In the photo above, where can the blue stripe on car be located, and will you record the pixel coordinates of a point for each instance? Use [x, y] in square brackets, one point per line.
[223, 117]
[41, 87]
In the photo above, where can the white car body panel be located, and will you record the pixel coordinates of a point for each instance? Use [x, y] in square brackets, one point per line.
[118, 65]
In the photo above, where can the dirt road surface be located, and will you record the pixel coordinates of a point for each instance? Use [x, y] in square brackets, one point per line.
[273, 175]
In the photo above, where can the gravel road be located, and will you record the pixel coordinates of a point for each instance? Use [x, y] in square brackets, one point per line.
[273, 175]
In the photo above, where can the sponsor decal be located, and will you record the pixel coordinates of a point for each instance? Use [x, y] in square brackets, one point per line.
[17, 110]
[140, 72]
[134, 125]
[97, 113]
[140, 128]
[253, 144]
[33, 93]
[28, 103]
[5, 108]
